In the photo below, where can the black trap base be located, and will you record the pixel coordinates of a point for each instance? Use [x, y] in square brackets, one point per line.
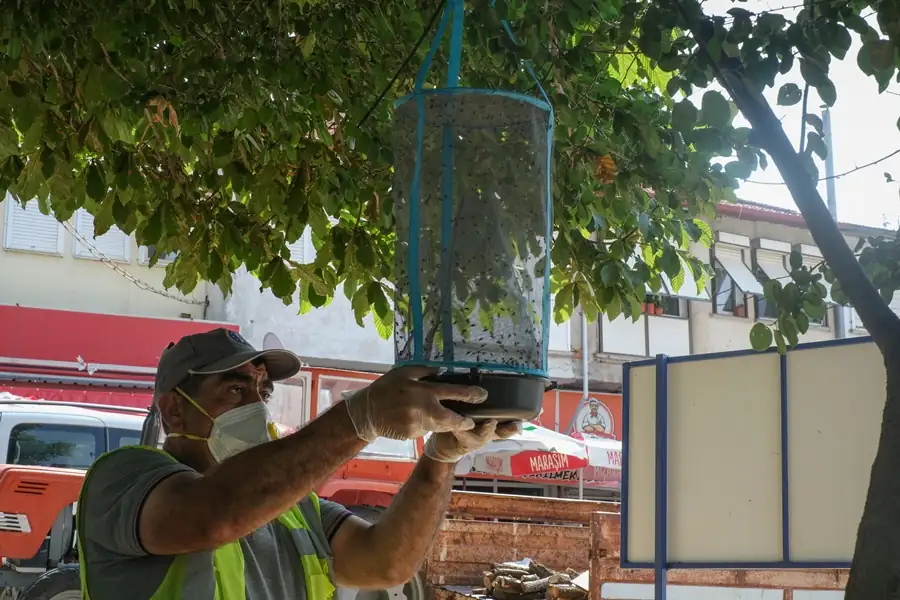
[510, 397]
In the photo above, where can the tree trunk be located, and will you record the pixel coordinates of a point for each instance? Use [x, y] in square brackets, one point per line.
[875, 572]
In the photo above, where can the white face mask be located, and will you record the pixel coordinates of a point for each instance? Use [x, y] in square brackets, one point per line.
[237, 430]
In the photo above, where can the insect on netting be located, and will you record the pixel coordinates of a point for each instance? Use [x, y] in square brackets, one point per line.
[473, 212]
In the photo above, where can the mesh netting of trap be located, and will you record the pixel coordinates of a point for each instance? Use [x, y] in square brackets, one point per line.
[472, 209]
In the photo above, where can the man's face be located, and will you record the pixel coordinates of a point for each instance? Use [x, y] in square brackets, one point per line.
[218, 394]
[594, 410]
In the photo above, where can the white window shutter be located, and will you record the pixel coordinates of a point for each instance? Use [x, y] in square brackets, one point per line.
[114, 244]
[302, 251]
[147, 251]
[856, 323]
[560, 336]
[30, 230]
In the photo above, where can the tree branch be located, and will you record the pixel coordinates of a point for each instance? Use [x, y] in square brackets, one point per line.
[877, 317]
[871, 163]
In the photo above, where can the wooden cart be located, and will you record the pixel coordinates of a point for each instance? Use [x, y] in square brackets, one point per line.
[482, 529]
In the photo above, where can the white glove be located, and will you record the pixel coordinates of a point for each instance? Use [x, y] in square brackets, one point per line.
[399, 406]
[451, 446]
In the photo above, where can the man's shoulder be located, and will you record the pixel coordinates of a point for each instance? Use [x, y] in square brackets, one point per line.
[132, 458]
[130, 465]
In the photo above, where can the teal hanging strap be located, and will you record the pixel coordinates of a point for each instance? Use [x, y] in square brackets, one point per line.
[435, 44]
[456, 39]
[546, 309]
[528, 66]
[447, 198]
[415, 289]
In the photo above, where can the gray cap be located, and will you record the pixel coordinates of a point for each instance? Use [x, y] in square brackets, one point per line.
[217, 351]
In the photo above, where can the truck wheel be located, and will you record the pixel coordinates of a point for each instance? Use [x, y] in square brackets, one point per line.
[62, 583]
[414, 589]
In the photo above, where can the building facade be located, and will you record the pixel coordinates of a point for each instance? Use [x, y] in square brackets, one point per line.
[48, 265]
[752, 244]
[57, 280]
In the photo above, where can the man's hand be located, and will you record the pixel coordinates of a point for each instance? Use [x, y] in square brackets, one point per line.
[400, 407]
[449, 447]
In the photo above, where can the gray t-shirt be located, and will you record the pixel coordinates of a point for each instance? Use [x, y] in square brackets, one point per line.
[118, 567]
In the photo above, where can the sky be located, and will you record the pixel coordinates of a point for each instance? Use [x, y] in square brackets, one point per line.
[864, 129]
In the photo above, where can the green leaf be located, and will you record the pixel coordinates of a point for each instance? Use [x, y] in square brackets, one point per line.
[748, 157]
[309, 44]
[360, 305]
[315, 299]
[674, 86]
[760, 337]
[789, 94]
[564, 304]
[283, 285]
[837, 39]
[779, 342]
[669, 263]
[880, 55]
[95, 184]
[769, 23]
[827, 92]
[815, 143]
[802, 323]
[609, 273]
[857, 23]
[812, 72]
[305, 304]
[613, 308]
[103, 219]
[307, 274]
[684, 115]
[796, 260]
[365, 254]
[706, 231]
[772, 290]
[384, 324]
[788, 327]
[92, 89]
[814, 306]
[378, 300]
[738, 170]
[715, 109]
[222, 146]
[677, 280]
[816, 123]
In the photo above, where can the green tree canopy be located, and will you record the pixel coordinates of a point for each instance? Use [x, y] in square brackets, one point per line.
[221, 130]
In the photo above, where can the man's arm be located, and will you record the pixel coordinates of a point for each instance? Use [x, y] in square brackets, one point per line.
[390, 552]
[187, 512]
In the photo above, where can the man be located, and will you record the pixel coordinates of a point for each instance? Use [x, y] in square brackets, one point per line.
[223, 513]
[593, 422]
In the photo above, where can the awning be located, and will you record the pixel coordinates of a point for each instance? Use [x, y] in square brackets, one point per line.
[772, 264]
[688, 289]
[732, 261]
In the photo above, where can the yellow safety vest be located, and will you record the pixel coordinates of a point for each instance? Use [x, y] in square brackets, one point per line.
[228, 560]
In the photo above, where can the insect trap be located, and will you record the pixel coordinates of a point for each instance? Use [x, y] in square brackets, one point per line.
[473, 211]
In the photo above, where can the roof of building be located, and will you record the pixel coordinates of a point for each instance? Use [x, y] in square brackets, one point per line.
[756, 211]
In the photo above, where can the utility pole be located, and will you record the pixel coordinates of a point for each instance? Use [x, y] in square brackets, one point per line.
[840, 328]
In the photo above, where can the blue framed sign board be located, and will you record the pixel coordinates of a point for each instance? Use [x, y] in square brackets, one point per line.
[748, 460]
